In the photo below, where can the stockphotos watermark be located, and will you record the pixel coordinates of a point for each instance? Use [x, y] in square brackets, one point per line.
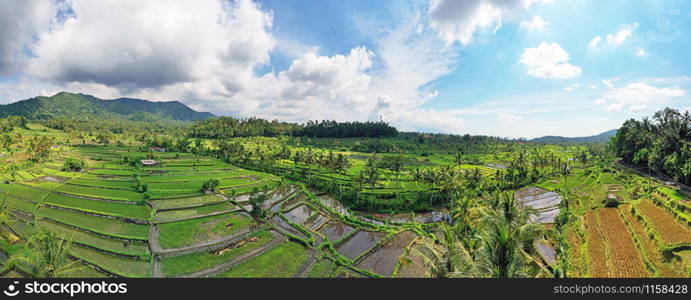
[64, 288]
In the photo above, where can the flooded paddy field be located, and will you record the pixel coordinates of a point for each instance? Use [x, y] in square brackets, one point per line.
[359, 243]
[336, 205]
[544, 201]
[335, 230]
[383, 260]
[316, 221]
[282, 224]
[300, 214]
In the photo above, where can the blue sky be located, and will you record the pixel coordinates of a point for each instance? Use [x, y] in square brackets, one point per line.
[512, 68]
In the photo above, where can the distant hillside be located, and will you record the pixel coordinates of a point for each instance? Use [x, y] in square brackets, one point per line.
[551, 139]
[86, 107]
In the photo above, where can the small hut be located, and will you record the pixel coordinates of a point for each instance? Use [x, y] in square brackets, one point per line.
[148, 162]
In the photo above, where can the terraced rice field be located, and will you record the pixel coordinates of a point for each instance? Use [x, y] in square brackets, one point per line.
[118, 265]
[650, 249]
[187, 202]
[359, 243]
[178, 231]
[624, 259]
[383, 260]
[282, 261]
[199, 261]
[544, 201]
[671, 233]
[123, 210]
[188, 232]
[612, 250]
[413, 266]
[596, 247]
[96, 223]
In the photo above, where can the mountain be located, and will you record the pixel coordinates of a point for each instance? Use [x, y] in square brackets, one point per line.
[86, 107]
[551, 139]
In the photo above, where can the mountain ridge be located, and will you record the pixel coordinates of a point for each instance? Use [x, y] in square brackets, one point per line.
[602, 137]
[87, 107]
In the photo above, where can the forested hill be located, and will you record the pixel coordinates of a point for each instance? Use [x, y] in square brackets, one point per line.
[86, 107]
[551, 139]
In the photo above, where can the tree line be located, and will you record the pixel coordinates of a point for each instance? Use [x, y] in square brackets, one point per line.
[662, 143]
[229, 127]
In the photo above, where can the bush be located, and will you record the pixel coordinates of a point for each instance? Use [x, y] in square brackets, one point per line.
[74, 165]
[210, 184]
[143, 188]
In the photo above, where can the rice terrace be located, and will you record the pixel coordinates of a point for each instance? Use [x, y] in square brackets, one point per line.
[137, 204]
[419, 151]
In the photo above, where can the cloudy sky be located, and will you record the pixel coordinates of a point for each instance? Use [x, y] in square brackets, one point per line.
[511, 68]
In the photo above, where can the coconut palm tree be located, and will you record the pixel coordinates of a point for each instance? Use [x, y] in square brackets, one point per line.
[504, 233]
[517, 218]
[48, 257]
[458, 159]
[448, 258]
[500, 255]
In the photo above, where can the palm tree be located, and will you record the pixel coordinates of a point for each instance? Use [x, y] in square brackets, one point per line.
[517, 218]
[500, 255]
[48, 258]
[449, 258]
[459, 160]
[506, 232]
[371, 173]
[396, 165]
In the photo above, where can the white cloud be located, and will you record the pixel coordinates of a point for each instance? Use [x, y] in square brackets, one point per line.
[548, 61]
[610, 82]
[636, 96]
[595, 42]
[462, 21]
[133, 44]
[638, 108]
[535, 24]
[641, 52]
[509, 117]
[206, 54]
[529, 3]
[572, 87]
[20, 22]
[620, 36]
[613, 39]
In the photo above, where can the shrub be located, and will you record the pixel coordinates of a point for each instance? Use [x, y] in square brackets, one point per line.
[210, 184]
[74, 165]
[143, 187]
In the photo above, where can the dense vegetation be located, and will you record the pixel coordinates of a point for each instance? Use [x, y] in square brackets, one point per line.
[550, 139]
[347, 129]
[86, 107]
[229, 127]
[313, 201]
[11, 122]
[663, 143]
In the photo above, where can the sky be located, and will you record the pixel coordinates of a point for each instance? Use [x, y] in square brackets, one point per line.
[508, 68]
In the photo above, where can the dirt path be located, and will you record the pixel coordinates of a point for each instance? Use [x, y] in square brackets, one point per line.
[157, 272]
[222, 178]
[100, 187]
[279, 238]
[306, 266]
[217, 213]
